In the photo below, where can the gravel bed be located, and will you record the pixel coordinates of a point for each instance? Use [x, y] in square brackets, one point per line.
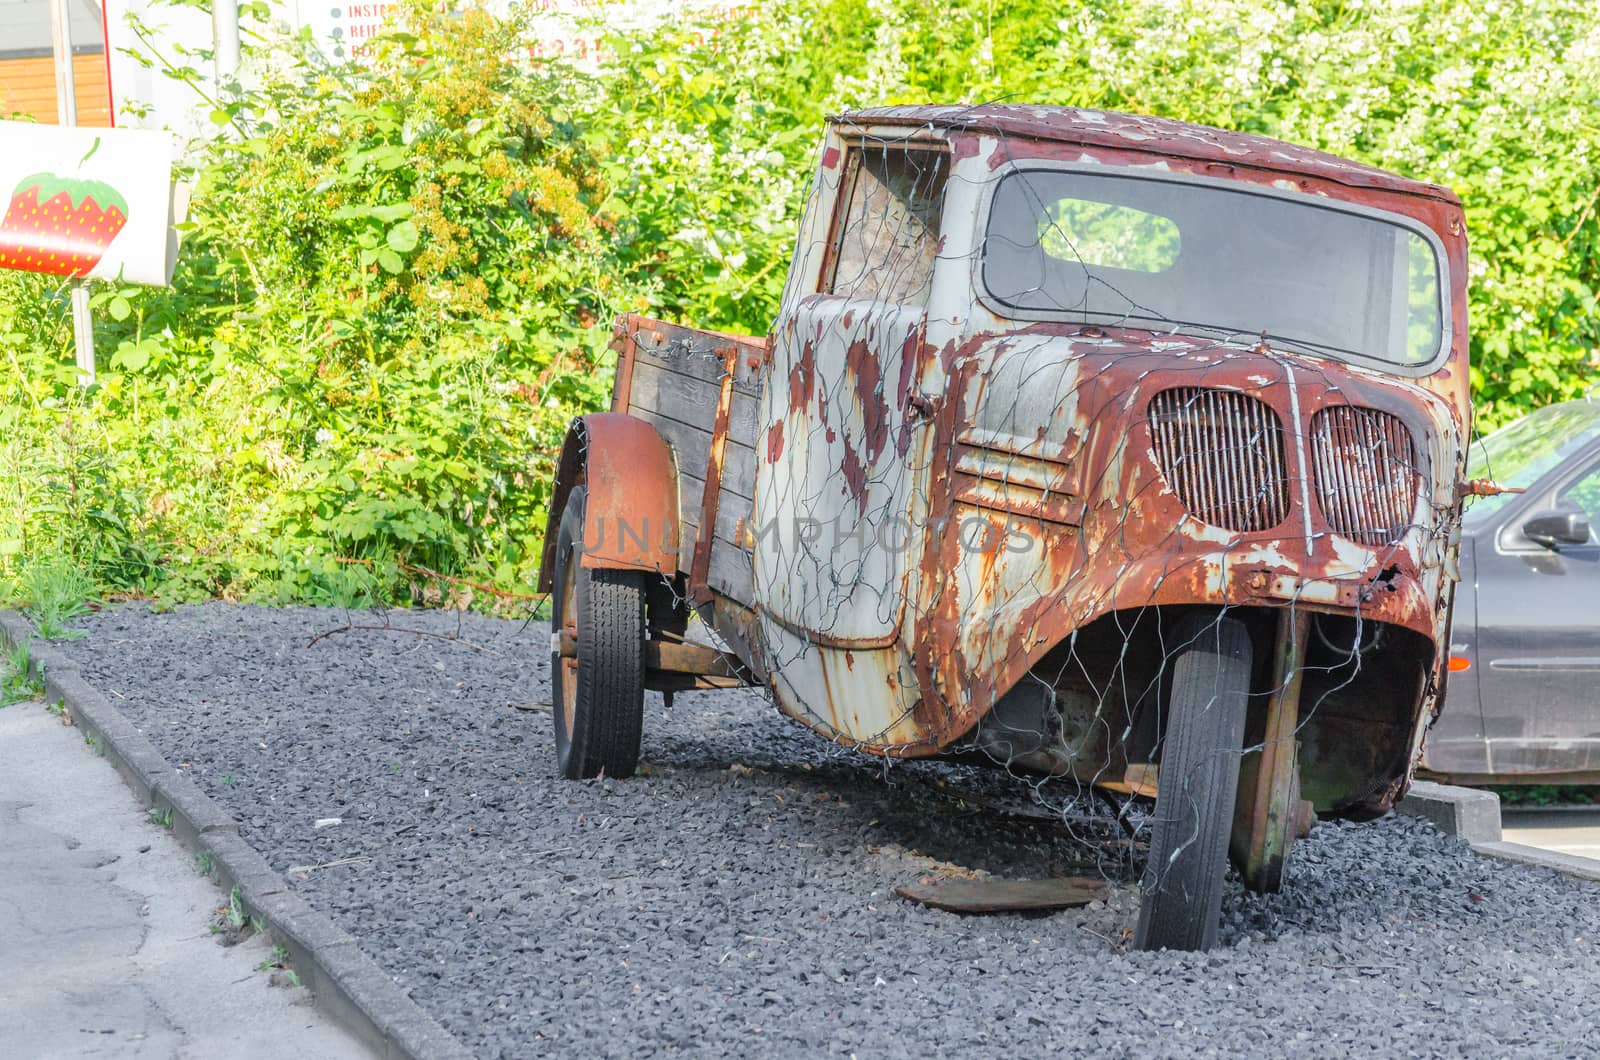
[737, 899]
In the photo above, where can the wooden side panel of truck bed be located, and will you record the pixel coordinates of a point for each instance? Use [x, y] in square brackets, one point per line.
[698, 388]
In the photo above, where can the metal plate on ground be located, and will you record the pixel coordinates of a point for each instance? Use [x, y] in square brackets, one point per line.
[1004, 896]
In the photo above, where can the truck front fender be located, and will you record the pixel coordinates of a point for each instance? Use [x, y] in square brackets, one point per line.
[631, 517]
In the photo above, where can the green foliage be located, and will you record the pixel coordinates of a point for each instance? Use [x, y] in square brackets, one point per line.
[53, 591]
[396, 278]
[17, 682]
[277, 961]
[388, 303]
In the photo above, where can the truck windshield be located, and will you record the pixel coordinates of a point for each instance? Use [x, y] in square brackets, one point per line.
[1108, 248]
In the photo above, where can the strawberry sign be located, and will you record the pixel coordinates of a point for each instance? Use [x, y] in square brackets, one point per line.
[87, 202]
[59, 225]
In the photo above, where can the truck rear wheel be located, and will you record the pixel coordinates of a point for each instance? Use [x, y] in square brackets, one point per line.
[1199, 779]
[597, 692]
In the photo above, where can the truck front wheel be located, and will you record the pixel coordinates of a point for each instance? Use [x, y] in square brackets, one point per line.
[597, 680]
[1181, 893]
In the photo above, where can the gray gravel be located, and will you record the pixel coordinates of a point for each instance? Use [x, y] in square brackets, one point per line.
[738, 899]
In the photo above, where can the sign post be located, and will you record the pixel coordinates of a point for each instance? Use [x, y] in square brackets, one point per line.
[67, 114]
[225, 40]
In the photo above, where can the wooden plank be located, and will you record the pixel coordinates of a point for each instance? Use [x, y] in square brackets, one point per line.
[699, 353]
[690, 400]
[701, 362]
[688, 659]
[693, 448]
[690, 490]
[732, 568]
[1005, 896]
[732, 572]
[699, 571]
[739, 467]
[744, 420]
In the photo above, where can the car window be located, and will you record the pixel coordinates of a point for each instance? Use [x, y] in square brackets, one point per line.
[1585, 494]
[889, 233]
[1521, 453]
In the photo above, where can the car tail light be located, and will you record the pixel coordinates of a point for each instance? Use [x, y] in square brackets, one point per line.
[1367, 477]
[1222, 454]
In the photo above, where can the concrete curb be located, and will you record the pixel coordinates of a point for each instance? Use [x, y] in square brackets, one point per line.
[346, 983]
[1464, 812]
[1474, 816]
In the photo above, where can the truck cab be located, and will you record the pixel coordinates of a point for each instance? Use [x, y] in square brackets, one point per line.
[1100, 445]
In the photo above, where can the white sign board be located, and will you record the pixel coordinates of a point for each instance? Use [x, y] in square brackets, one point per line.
[86, 202]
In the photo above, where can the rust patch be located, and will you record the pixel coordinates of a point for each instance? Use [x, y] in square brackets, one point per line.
[699, 591]
[867, 374]
[855, 475]
[774, 442]
[803, 379]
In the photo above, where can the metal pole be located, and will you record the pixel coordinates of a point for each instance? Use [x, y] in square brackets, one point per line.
[225, 39]
[67, 114]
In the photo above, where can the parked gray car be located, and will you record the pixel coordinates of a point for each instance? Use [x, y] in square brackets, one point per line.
[1524, 684]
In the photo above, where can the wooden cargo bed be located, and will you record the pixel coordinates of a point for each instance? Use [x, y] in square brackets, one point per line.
[700, 391]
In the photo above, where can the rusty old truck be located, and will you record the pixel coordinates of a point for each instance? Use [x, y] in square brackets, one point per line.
[1108, 447]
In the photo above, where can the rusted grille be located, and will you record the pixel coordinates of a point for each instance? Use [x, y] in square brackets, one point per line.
[1222, 454]
[1365, 468]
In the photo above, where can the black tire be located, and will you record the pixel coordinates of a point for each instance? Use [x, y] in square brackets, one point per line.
[598, 696]
[1182, 887]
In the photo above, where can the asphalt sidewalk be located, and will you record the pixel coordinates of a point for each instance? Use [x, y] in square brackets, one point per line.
[105, 943]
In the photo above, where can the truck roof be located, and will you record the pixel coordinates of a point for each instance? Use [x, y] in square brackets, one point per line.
[1162, 136]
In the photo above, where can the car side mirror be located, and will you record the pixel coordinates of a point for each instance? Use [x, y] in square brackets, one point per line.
[1563, 526]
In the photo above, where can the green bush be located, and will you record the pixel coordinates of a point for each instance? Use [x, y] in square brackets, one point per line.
[396, 280]
[1495, 100]
[390, 299]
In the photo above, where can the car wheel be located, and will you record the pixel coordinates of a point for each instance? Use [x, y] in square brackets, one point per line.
[597, 692]
[1181, 893]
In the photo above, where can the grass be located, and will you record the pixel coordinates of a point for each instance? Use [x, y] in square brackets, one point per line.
[278, 960]
[205, 862]
[17, 682]
[231, 921]
[55, 592]
[162, 817]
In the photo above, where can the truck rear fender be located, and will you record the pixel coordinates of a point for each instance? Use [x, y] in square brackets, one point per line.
[631, 519]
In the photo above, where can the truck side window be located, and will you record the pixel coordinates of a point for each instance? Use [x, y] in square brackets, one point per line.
[888, 235]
